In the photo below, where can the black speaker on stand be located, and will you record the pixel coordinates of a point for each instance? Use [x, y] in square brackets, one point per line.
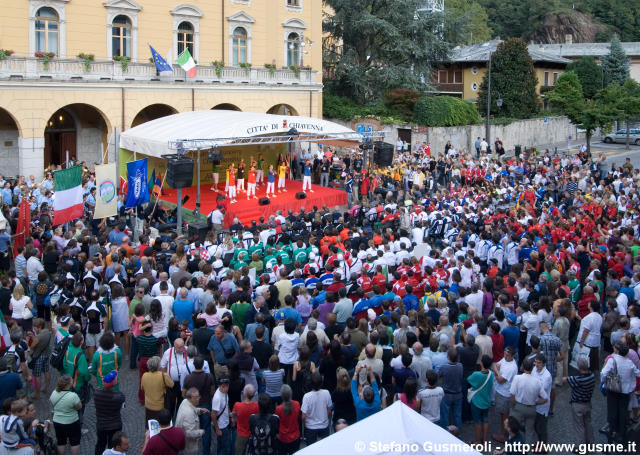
[383, 153]
[180, 172]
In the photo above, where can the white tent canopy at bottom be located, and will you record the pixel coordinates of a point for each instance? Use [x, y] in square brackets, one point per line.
[397, 429]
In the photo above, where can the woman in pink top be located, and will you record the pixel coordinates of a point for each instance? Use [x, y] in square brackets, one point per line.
[409, 395]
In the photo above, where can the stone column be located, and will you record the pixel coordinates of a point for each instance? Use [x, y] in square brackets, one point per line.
[31, 157]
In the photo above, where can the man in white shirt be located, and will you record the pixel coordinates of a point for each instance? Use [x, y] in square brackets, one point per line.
[504, 371]
[220, 415]
[474, 299]
[542, 374]
[155, 289]
[176, 364]
[589, 334]
[527, 392]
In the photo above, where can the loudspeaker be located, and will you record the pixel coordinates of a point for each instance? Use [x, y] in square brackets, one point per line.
[180, 172]
[518, 150]
[301, 195]
[264, 201]
[199, 229]
[383, 153]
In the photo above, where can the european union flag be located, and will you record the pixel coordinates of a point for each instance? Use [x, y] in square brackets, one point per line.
[161, 63]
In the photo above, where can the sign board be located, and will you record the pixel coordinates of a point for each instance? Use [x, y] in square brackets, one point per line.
[419, 130]
[545, 120]
[364, 125]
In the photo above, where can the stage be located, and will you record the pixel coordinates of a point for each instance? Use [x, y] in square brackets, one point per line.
[249, 210]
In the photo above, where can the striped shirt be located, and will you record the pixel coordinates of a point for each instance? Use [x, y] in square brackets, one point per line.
[551, 346]
[581, 387]
[273, 382]
[147, 346]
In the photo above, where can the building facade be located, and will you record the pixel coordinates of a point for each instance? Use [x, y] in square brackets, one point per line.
[463, 74]
[71, 71]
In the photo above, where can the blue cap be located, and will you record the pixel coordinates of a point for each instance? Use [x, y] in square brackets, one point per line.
[512, 317]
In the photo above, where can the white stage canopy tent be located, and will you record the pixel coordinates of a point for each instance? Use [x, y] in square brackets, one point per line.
[219, 128]
[397, 429]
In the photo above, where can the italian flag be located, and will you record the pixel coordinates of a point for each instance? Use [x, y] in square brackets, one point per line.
[186, 62]
[67, 204]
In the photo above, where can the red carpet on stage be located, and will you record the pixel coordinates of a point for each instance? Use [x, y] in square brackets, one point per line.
[250, 210]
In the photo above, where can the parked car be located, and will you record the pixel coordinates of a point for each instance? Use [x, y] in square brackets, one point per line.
[621, 136]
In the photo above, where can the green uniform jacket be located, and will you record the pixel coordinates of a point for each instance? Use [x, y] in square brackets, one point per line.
[80, 372]
[105, 362]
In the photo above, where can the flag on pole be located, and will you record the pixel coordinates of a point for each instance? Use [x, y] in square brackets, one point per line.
[124, 186]
[24, 221]
[152, 180]
[67, 204]
[157, 186]
[161, 64]
[107, 198]
[138, 189]
[5, 337]
[186, 62]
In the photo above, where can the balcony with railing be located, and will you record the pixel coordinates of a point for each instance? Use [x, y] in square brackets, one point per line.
[76, 70]
[449, 88]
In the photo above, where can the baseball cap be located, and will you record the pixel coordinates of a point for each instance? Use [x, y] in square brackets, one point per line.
[512, 318]
[224, 380]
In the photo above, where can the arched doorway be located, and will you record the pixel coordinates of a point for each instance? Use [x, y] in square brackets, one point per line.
[152, 112]
[75, 132]
[226, 107]
[282, 109]
[9, 148]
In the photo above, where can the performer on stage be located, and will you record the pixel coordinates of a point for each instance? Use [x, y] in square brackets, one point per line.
[216, 176]
[232, 183]
[240, 185]
[282, 173]
[271, 181]
[251, 183]
[260, 168]
[306, 180]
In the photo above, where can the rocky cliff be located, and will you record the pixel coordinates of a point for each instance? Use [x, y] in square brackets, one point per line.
[556, 28]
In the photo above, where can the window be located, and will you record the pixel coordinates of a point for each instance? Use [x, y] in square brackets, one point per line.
[293, 49]
[294, 3]
[442, 77]
[555, 78]
[121, 37]
[185, 38]
[457, 77]
[47, 27]
[546, 78]
[239, 50]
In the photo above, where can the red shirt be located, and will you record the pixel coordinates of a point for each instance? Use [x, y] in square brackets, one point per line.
[498, 346]
[157, 446]
[252, 177]
[289, 428]
[243, 412]
[380, 280]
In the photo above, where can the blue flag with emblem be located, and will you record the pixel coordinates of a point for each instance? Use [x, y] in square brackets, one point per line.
[161, 64]
[138, 188]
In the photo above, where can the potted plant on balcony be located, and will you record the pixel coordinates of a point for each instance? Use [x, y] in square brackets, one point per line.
[296, 70]
[4, 53]
[124, 61]
[45, 57]
[245, 66]
[86, 60]
[217, 67]
[271, 67]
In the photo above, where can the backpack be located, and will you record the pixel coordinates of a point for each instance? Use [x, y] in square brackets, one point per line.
[262, 438]
[57, 356]
[12, 359]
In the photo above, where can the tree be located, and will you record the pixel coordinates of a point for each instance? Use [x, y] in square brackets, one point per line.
[402, 101]
[473, 15]
[379, 45]
[567, 98]
[625, 100]
[615, 66]
[445, 111]
[589, 73]
[513, 78]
